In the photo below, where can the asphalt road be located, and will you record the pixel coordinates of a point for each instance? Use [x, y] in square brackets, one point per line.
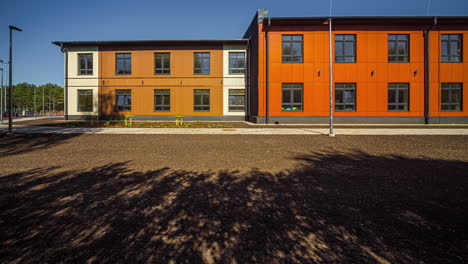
[233, 199]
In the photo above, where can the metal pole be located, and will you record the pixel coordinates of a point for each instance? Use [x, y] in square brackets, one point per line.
[43, 101]
[331, 134]
[10, 99]
[1, 98]
[4, 98]
[35, 114]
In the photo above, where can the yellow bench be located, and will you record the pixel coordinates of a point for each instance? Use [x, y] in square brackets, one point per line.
[179, 121]
[128, 120]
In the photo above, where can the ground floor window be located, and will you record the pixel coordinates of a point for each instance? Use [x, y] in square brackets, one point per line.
[398, 97]
[85, 100]
[162, 100]
[236, 100]
[451, 97]
[345, 97]
[292, 94]
[201, 100]
[123, 100]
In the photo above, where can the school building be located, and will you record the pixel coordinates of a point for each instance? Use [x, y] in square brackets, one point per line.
[393, 70]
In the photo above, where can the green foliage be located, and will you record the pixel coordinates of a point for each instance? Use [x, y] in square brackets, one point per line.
[23, 97]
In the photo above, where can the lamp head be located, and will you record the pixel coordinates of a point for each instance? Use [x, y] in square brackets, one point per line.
[15, 28]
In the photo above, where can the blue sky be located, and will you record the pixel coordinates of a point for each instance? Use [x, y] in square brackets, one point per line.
[37, 61]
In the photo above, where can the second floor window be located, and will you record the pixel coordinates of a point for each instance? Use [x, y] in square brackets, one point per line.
[451, 97]
[201, 63]
[451, 48]
[201, 100]
[236, 62]
[398, 97]
[162, 63]
[345, 48]
[123, 63]
[291, 97]
[398, 48]
[162, 100]
[85, 64]
[292, 48]
[85, 100]
[123, 98]
[345, 97]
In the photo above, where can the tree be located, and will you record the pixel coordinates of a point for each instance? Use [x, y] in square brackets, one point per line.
[23, 97]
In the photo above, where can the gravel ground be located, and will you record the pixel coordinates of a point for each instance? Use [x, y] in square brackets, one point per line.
[233, 199]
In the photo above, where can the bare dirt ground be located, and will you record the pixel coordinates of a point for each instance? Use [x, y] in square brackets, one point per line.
[233, 199]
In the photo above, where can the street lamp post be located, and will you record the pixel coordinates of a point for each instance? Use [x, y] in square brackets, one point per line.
[2, 93]
[35, 112]
[43, 101]
[10, 99]
[1, 98]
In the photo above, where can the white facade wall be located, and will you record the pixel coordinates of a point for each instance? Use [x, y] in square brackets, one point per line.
[82, 82]
[231, 81]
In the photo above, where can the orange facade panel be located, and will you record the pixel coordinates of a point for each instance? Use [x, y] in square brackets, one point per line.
[181, 82]
[372, 73]
[182, 101]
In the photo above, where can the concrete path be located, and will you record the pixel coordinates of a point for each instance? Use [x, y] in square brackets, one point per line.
[238, 131]
[21, 119]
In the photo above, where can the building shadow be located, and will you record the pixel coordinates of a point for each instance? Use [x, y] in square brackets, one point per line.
[333, 208]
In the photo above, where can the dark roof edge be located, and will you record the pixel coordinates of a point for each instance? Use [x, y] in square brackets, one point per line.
[149, 42]
[445, 20]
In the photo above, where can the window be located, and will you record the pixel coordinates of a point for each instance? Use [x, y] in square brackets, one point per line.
[398, 97]
[201, 63]
[292, 97]
[451, 98]
[162, 100]
[236, 100]
[345, 97]
[398, 48]
[123, 63]
[345, 48]
[162, 63]
[451, 48]
[85, 100]
[236, 62]
[123, 100]
[292, 48]
[85, 64]
[201, 100]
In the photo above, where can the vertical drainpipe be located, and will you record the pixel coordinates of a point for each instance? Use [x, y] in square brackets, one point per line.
[65, 102]
[330, 40]
[427, 80]
[267, 73]
[247, 81]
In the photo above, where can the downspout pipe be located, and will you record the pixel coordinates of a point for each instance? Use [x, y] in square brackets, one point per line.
[330, 40]
[65, 105]
[267, 73]
[247, 81]
[427, 85]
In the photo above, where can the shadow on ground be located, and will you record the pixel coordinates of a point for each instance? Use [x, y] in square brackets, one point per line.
[25, 143]
[334, 208]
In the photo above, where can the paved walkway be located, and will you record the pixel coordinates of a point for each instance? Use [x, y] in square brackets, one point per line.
[21, 119]
[239, 131]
